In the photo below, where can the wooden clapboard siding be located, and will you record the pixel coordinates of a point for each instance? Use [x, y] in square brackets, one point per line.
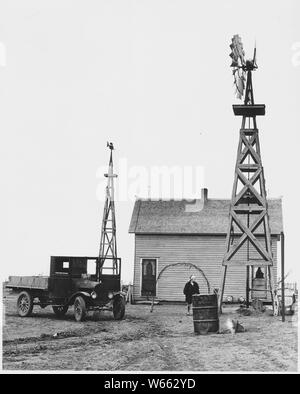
[204, 251]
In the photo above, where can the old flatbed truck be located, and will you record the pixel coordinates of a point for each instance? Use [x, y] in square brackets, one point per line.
[70, 284]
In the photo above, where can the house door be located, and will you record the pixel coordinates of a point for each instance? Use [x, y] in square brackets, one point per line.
[148, 277]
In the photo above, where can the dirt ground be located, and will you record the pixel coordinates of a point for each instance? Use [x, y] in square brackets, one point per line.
[159, 341]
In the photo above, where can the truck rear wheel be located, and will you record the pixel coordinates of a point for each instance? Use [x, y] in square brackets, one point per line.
[60, 311]
[79, 308]
[119, 308]
[25, 304]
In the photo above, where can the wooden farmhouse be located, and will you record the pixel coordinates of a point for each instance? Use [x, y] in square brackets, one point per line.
[191, 232]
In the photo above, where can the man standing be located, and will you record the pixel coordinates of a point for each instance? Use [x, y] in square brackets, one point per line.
[190, 288]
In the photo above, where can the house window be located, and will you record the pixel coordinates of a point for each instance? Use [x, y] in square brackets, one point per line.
[148, 287]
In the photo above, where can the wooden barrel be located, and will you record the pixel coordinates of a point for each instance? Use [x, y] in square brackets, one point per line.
[205, 313]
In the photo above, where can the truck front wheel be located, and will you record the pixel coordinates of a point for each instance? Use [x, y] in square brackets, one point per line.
[25, 304]
[79, 308]
[119, 308]
[60, 311]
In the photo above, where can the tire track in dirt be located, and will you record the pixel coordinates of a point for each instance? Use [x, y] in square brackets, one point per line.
[64, 341]
[30, 345]
[86, 329]
[163, 357]
[262, 355]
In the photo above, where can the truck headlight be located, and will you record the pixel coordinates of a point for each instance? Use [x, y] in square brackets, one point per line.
[110, 295]
[93, 295]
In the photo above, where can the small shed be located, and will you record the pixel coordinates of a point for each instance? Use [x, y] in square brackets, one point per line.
[192, 233]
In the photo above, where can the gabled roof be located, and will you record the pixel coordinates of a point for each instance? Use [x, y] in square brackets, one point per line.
[209, 216]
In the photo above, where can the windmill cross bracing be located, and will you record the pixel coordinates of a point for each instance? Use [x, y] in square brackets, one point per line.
[248, 240]
[108, 244]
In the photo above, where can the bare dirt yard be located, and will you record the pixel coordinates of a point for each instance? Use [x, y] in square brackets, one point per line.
[163, 340]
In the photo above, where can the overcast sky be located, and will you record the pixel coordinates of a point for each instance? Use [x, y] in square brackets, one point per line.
[153, 77]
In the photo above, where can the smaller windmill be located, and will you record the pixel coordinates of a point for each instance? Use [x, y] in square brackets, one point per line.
[248, 240]
[108, 242]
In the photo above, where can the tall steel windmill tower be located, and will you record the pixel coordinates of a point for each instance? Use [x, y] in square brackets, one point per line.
[248, 240]
[108, 243]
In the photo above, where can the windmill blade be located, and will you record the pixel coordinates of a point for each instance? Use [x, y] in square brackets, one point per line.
[237, 51]
[238, 64]
[239, 82]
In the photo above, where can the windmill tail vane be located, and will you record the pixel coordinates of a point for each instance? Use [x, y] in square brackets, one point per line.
[254, 56]
[110, 145]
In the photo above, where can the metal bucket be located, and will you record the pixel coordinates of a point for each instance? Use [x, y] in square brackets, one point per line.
[205, 313]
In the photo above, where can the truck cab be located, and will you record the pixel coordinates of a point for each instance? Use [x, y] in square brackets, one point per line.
[69, 275]
[86, 283]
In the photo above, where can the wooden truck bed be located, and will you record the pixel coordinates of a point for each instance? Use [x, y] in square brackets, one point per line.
[28, 282]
